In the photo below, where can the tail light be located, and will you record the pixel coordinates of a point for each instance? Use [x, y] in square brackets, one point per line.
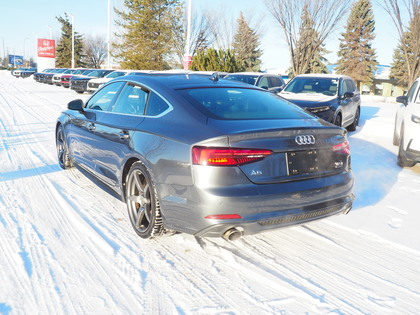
[226, 156]
[342, 148]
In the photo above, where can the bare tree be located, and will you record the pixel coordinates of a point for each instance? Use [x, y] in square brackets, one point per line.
[410, 50]
[95, 51]
[221, 27]
[324, 16]
[200, 38]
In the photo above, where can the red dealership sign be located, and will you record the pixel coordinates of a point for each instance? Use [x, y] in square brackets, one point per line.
[46, 48]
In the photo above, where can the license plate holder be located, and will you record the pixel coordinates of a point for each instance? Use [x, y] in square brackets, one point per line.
[302, 162]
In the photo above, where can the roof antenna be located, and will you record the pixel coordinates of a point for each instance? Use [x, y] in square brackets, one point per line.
[214, 77]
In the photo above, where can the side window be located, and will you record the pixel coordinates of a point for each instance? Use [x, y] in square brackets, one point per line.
[344, 88]
[351, 86]
[274, 82]
[156, 105]
[132, 100]
[104, 97]
[263, 82]
[411, 91]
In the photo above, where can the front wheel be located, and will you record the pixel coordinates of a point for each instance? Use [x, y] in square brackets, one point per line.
[62, 150]
[402, 160]
[395, 139]
[355, 123]
[337, 120]
[142, 202]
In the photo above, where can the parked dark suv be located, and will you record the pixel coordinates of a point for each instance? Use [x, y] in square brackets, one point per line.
[271, 82]
[334, 98]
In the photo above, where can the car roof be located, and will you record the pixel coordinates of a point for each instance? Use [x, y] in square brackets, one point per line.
[322, 75]
[255, 74]
[180, 81]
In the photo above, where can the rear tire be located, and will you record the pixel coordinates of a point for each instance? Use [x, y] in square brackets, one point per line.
[142, 202]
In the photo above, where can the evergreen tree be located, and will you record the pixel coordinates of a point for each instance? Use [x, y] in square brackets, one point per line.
[64, 47]
[215, 60]
[357, 58]
[149, 28]
[407, 55]
[245, 44]
[318, 63]
[308, 51]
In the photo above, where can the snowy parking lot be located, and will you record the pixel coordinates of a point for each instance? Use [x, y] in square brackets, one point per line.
[67, 246]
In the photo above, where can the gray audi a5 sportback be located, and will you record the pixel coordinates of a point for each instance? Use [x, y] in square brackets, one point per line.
[208, 157]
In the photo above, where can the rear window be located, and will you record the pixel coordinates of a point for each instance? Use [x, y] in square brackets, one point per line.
[241, 103]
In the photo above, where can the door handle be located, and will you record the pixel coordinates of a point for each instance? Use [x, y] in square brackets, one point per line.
[91, 127]
[124, 135]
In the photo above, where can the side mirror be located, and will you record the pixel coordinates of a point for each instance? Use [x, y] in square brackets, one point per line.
[348, 95]
[76, 105]
[275, 90]
[402, 99]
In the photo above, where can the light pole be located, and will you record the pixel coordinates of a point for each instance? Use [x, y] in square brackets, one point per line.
[24, 44]
[50, 27]
[109, 34]
[187, 56]
[72, 40]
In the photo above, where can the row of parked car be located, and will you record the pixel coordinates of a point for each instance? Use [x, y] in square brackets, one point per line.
[333, 98]
[79, 80]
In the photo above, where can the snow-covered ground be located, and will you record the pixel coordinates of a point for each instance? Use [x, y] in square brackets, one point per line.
[68, 248]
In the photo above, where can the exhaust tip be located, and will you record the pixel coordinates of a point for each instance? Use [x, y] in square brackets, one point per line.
[232, 234]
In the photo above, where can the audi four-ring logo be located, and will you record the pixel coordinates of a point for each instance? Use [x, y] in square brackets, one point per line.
[305, 139]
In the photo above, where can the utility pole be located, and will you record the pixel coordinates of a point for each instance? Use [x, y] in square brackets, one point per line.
[72, 40]
[109, 35]
[187, 56]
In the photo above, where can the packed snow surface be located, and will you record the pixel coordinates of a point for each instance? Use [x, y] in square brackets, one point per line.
[67, 246]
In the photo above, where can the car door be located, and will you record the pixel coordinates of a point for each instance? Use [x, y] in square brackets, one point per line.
[81, 129]
[114, 132]
[408, 109]
[346, 103]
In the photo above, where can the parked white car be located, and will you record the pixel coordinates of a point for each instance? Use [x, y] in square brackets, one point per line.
[407, 126]
[95, 84]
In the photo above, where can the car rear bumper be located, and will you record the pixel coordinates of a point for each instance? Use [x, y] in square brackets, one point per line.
[260, 207]
[281, 219]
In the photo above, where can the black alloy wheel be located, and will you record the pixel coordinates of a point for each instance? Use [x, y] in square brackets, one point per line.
[62, 150]
[142, 202]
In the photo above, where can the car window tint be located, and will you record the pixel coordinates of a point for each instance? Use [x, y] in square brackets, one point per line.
[274, 81]
[104, 97]
[352, 85]
[250, 79]
[343, 87]
[264, 83]
[115, 74]
[156, 105]
[239, 104]
[132, 100]
[411, 91]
